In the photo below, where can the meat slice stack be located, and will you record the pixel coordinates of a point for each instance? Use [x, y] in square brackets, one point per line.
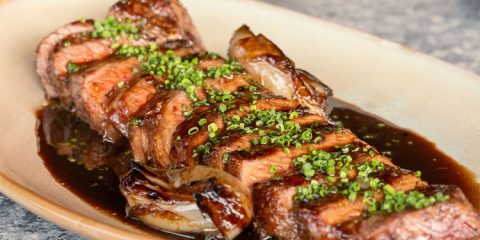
[77, 63]
[193, 120]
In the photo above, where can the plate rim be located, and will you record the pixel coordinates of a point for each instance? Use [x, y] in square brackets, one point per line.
[60, 216]
[91, 228]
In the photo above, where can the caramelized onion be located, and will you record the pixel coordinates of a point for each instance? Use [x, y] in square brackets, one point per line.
[269, 66]
[152, 200]
[224, 198]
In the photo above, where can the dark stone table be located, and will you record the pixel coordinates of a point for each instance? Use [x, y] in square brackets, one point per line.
[447, 29]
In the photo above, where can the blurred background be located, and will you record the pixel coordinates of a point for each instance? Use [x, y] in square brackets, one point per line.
[447, 29]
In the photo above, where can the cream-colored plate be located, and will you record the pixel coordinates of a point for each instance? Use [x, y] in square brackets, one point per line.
[434, 98]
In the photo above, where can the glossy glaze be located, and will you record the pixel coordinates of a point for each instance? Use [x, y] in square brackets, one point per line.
[99, 187]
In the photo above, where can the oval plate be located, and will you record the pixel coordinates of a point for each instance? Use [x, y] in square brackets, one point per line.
[436, 99]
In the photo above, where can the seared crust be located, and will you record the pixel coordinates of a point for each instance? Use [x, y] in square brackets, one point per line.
[151, 141]
[85, 90]
[453, 219]
[273, 207]
[109, 93]
[165, 22]
[254, 166]
[45, 52]
[125, 103]
[89, 90]
[319, 220]
[183, 148]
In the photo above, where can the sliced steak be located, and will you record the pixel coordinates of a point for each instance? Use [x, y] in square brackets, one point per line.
[452, 219]
[184, 148]
[319, 220]
[89, 90]
[254, 165]
[45, 52]
[127, 101]
[217, 157]
[279, 216]
[87, 51]
[165, 22]
[151, 140]
[273, 203]
[275, 197]
[164, 184]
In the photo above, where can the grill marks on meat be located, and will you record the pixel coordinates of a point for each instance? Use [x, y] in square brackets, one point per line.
[318, 219]
[238, 141]
[45, 55]
[126, 102]
[89, 91]
[137, 97]
[254, 165]
[277, 215]
[107, 95]
[165, 22]
[335, 217]
[183, 148]
[151, 141]
[452, 219]
[82, 51]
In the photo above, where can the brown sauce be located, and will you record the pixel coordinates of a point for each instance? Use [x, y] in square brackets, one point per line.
[99, 187]
[407, 149]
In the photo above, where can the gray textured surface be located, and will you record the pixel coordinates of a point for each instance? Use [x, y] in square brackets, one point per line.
[447, 29]
[18, 223]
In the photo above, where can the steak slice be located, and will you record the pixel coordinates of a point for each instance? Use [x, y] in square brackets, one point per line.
[151, 140]
[184, 148]
[279, 216]
[237, 141]
[164, 22]
[452, 219]
[45, 52]
[125, 103]
[319, 220]
[273, 203]
[128, 100]
[89, 90]
[275, 197]
[75, 46]
[254, 165]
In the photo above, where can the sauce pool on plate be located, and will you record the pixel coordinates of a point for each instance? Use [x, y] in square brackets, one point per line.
[99, 186]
